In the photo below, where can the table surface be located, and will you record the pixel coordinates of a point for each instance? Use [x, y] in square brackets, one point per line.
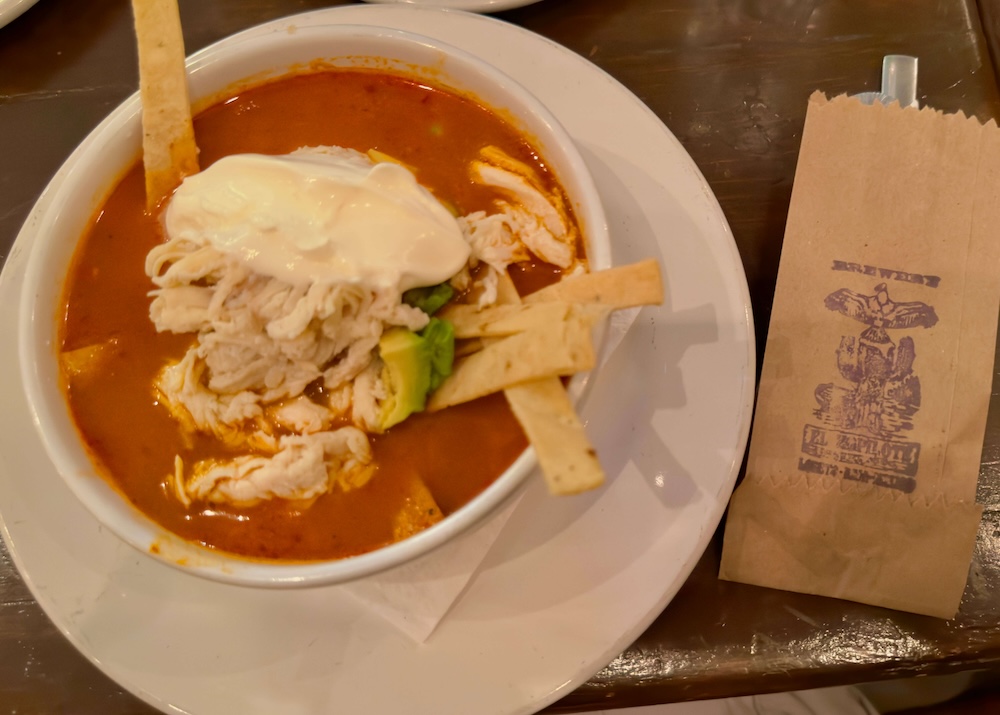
[730, 78]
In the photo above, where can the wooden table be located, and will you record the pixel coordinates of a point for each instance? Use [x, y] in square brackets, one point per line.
[730, 78]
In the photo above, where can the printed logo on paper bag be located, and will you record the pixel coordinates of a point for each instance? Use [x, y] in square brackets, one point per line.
[864, 417]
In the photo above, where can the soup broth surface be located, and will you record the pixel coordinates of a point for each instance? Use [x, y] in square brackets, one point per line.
[456, 452]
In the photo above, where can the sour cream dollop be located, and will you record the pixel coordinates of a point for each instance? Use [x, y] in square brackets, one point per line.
[320, 216]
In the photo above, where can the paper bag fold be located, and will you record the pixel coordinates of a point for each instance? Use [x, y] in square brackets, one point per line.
[868, 432]
[851, 544]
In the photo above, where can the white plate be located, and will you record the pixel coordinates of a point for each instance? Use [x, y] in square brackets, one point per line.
[11, 9]
[569, 584]
[469, 5]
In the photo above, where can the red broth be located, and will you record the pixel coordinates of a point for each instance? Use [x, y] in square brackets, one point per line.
[457, 452]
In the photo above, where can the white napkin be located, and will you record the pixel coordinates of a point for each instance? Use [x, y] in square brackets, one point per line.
[415, 597]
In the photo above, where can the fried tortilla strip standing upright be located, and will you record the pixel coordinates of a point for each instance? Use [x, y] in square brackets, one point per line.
[548, 417]
[169, 152]
[536, 350]
[543, 407]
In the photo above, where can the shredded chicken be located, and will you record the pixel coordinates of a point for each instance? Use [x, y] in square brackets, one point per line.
[369, 391]
[261, 341]
[537, 223]
[301, 415]
[262, 335]
[530, 222]
[234, 419]
[303, 467]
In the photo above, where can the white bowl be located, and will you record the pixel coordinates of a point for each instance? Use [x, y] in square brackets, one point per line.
[98, 163]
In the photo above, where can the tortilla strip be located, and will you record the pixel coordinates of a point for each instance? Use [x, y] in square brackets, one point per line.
[625, 286]
[169, 152]
[88, 360]
[562, 349]
[419, 511]
[568, 461]
[541, 406]
[506, 290]
[565, 455]
[467, 347]
[469, 321]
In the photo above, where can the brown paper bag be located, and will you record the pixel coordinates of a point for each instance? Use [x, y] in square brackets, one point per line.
[866, 446]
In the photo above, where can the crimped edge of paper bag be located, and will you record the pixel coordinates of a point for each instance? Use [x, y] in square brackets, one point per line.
[819, 98]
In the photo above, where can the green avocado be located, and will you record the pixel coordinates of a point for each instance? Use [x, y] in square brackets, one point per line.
[429, 299]
[413, 364]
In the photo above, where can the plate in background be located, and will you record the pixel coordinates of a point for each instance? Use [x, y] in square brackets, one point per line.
[469, 5]
[11, 9]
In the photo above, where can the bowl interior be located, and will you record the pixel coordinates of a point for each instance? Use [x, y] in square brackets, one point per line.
[101, 160]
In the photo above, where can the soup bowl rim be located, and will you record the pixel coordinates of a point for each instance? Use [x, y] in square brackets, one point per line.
[60, 229]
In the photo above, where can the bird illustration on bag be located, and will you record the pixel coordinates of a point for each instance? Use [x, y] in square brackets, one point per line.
[884, 393]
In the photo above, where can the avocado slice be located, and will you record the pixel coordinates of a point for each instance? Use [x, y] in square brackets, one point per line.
[429, 299]
[413, 364]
